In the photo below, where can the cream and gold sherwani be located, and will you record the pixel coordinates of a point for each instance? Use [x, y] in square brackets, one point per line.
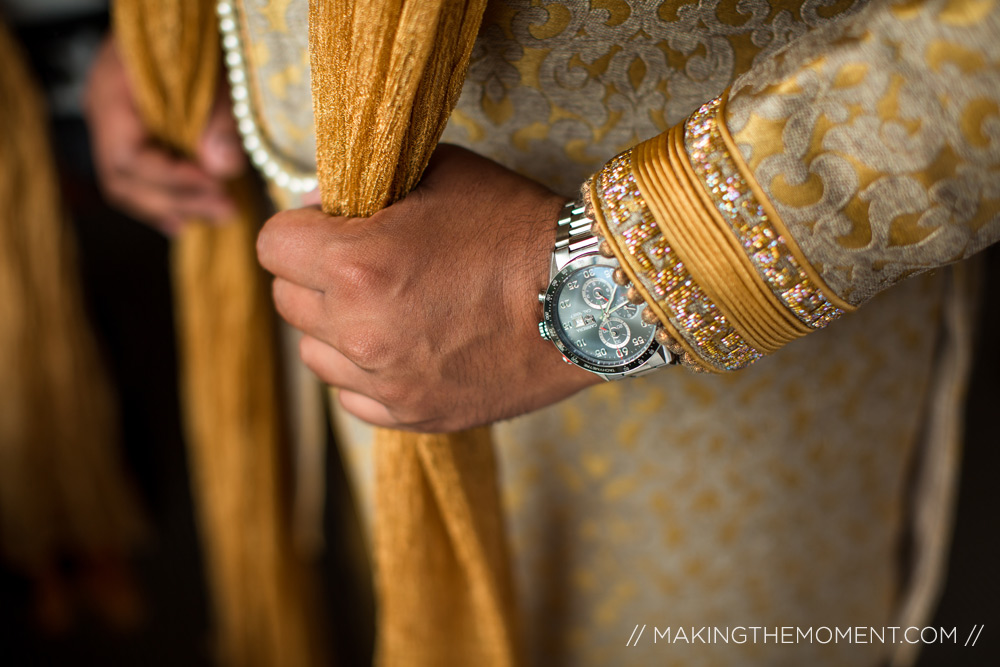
[785, 494]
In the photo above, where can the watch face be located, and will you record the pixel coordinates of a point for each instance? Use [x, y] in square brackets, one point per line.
[592, 322]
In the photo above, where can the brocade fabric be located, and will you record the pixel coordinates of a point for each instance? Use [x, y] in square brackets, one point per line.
[778, 495]
[878, 140]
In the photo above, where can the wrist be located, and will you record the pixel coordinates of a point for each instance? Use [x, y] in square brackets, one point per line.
[529, 258]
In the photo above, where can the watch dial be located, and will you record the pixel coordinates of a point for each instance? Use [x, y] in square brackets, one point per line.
[595, 320]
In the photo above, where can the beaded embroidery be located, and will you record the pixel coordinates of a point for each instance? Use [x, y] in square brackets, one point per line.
[694, 316]
[764, 246]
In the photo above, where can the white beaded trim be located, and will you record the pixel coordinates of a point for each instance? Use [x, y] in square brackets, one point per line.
[263, 156]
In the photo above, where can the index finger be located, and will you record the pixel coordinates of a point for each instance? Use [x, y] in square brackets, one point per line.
[297, 246]
[154, 166]
[124, 148]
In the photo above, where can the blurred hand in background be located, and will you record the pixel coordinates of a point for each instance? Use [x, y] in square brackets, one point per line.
[146, 179]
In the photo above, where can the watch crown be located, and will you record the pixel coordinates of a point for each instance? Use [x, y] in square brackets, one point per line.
[543, 331]
[541, 297]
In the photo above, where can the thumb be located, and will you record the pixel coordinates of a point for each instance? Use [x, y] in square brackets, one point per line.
[220, 152]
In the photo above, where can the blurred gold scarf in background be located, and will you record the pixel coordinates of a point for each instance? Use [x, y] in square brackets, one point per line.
[63, 491]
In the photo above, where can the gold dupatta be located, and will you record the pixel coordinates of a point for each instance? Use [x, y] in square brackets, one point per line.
[62, 485]
[260, 589]
[385, 77]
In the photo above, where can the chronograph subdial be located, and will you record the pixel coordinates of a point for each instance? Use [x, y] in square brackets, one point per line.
[596, 293]
[629, 310]
[614, 333]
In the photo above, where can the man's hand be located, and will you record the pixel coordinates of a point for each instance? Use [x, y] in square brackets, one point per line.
[143, 178]
[426, 314]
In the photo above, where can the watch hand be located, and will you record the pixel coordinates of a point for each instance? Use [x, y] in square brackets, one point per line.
[620, 305]
[604, 311]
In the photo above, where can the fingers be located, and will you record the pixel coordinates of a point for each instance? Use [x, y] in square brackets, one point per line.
[376, 413]
[154, 186]
[301, 307]
[363, 393]
[298, 245]
[333, 367]
[165, 209]
[116, 131]
[138, 175]
[366, 394]
[220, 151]
[313, 313]
[151, 165]
[367, 409]
[159, 190]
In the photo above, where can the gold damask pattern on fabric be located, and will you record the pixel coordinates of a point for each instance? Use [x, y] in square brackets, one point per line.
[555, 87]
[278, 57]
[687, 500]
[877, 139]
[681, 499]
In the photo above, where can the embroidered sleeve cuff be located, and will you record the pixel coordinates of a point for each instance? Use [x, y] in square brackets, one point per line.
[704, 247]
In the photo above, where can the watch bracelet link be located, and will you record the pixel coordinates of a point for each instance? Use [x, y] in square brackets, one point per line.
[574, 234]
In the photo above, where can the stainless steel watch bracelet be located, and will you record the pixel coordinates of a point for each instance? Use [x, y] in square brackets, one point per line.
[573, 235]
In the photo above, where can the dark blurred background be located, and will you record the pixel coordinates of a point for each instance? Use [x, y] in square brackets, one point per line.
[125, 279]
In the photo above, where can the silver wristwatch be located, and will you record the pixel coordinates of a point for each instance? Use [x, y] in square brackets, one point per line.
[585, 313]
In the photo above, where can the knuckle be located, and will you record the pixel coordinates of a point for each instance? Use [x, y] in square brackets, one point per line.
[399, 398]
[364, 350]
[359, 278]
[414, 408]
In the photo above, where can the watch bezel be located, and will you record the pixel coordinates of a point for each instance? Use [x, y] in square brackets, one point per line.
[548, 318]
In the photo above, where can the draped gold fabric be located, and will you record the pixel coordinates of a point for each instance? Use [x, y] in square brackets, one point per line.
[260, 590]
[385, 76]
[62, 487]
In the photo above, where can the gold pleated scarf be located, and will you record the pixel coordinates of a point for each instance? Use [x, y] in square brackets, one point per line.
[62, 485]
[385, 77]
[262, 597]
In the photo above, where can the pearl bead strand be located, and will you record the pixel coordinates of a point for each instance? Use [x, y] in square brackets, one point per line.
[263, 156]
